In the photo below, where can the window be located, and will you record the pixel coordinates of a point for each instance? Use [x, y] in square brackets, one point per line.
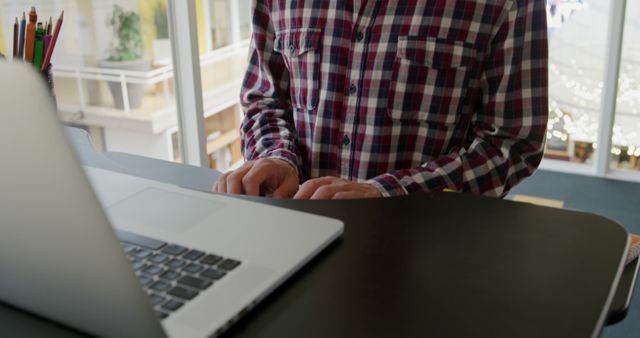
[90, 93]
[220, 32]
[124, 97]
[223, 60]
[244, 12]
[625, 141]
[577, 43]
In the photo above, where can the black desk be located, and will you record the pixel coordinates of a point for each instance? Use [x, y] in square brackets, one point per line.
[446, 265]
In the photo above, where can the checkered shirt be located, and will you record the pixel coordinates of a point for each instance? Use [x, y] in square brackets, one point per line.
[409, 95]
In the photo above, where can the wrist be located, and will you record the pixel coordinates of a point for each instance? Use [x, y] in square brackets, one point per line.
[286, 162]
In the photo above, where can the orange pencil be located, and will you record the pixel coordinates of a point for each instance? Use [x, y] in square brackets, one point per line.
[52, 44]
[30, 39]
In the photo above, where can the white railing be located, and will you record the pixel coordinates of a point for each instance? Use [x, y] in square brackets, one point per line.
[124, 77]
[152, 77]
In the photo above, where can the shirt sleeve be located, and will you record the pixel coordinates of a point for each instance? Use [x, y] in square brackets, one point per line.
[508, 128]
[267, 129]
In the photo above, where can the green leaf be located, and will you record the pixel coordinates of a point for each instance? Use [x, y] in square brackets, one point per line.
[127, 31]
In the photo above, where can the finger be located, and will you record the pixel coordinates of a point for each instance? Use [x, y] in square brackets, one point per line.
[221, 183]
[309, 187]
[254, 178]
[347, 195]
[326, 192]
[287, 189]
[234, 180]
[370, 191]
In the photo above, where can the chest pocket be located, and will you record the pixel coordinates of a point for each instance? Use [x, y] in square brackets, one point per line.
[429, 80]
[300, 49]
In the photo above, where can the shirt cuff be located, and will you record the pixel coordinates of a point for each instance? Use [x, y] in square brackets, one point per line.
[388, 185]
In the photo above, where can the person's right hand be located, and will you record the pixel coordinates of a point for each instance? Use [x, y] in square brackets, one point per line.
[264, 177]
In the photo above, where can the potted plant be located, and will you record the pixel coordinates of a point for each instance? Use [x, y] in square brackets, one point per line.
[161, 44]
[125, 53]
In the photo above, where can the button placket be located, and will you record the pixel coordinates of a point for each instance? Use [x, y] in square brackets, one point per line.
[355, 73]
[346, 140]
[353, 89]
[363, 19]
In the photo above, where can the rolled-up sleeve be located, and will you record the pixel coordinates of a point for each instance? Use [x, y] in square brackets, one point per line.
[267, 129]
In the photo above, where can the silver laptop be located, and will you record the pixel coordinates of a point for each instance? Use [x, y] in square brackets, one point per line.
[176, 262]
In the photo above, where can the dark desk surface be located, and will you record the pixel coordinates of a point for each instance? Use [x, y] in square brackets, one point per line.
[445, 265]
[429, 266]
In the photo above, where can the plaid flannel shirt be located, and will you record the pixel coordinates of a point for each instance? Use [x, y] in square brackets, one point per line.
[410, 96]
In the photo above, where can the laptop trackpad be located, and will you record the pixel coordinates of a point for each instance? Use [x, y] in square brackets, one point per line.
[165, 210]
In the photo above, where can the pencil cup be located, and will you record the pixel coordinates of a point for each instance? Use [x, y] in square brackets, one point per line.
[48, 78]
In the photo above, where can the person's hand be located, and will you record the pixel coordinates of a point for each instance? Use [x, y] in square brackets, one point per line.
[263, 177]
[336, 188]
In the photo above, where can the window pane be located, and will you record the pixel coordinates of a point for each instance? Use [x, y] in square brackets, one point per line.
[244, 8]
[577, 47]
[117, 86]
[226, 28]
[625, 150]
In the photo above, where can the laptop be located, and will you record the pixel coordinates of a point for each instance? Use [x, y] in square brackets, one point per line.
[116, 255]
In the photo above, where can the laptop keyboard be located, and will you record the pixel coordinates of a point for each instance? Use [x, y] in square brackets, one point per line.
[172, 274]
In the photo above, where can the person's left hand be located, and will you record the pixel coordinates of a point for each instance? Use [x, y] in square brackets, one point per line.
[335, 188]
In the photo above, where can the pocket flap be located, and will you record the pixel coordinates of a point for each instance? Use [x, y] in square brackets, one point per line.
[435, 53]
[295, 42]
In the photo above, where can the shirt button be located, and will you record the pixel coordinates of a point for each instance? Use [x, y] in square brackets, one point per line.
[346, 140]
[353, 89]
[292, 47]
[360, 36]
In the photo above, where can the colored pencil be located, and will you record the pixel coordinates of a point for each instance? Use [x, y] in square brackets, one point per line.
[23, 26]
[30, 37]
[47, 42]
[52, 44]
[16, 30]
[47, 35]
